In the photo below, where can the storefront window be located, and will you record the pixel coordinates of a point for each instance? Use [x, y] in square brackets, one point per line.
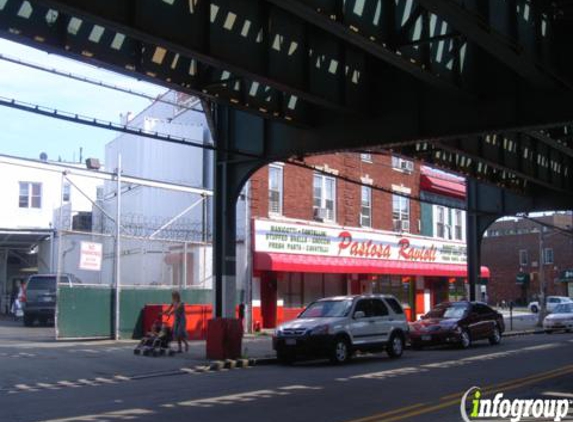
[457, 289]
[393, 285]
[312, 287]
[290, 290]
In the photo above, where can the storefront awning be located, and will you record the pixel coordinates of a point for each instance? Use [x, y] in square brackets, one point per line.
[442, 186]
[342, 265]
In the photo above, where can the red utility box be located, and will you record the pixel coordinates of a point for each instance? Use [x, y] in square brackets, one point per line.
[224, 338]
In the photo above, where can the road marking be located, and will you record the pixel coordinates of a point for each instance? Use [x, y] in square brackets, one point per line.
[47, 386]
[70, 384]
[87, 382]
[127, 414]
[407, 412]
[512, 382]
[392, 373]
[104, 380]
[558, 394]
[25, 387]
[122, 378]
[244, 397]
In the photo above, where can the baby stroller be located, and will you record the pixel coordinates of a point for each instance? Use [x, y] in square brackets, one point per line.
[156, 342]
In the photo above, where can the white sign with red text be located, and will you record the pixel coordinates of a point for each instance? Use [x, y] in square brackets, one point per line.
[90, 256]
[302, 239]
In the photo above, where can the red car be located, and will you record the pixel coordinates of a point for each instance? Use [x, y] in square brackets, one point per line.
[458, 323]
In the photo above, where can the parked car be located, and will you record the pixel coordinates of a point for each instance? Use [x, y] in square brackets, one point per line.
[336, 327]
[457, 323]
[40, 301]
[560, 319]
[552, 302]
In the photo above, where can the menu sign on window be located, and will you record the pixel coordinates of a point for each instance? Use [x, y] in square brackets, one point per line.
[278, 237]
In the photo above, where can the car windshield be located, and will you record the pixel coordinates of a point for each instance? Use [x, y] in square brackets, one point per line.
[41, 283]
[327, 308]
[564, 308]
[451, 311]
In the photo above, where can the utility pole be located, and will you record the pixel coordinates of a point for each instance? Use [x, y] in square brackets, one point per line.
[542, 286]
[118, 249]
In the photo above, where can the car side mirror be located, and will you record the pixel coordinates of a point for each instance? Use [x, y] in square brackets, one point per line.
[359, 315]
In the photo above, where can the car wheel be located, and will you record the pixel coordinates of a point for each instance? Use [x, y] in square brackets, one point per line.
[28, 321]
[340, 351]
[548, 331]
[495, 337]
[534, 309]
[465, 339]
[395, 346]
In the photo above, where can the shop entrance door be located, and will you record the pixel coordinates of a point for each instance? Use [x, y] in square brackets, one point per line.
[269, 300]
[441, 291]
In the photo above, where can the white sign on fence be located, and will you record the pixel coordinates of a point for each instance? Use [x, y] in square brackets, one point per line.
[90, 256]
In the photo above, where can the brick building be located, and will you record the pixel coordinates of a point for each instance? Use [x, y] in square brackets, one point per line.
[316, 234]
[511, 248]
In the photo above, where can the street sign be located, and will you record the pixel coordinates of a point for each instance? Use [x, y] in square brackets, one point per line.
[522, 278]
[90, 256]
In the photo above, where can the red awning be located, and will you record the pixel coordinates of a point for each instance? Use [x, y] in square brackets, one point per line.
[443, 186]
[327, 264]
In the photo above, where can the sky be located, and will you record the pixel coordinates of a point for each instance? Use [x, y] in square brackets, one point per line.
[25, 134]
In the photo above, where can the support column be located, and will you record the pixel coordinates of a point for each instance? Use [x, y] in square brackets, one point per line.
[234, 131]
[472, 237]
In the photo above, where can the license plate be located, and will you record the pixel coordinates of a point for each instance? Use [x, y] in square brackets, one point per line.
[290, 342]
[426, 338]
[46, 299]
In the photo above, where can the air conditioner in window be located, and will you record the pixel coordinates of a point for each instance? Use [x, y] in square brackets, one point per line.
[401, 226]
[407, 166]
[320, 214]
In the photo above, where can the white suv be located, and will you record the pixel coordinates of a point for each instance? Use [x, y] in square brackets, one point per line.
[336, 327]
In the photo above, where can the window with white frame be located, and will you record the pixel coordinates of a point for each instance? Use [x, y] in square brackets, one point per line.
[548, 256]
[458, 224]
[367, 158]
[401, 213]
[441, 222]
[275, 189]
[523, 257]
[366, 207]
[401, 164]
[66, 192]
[30, 195]
[324, 197]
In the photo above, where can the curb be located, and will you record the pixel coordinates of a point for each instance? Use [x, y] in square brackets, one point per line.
[227, 364]
[524, 333]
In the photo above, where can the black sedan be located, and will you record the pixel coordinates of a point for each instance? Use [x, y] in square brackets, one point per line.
[458, 323]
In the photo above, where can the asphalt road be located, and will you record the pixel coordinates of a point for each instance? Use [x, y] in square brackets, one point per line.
[422, 386]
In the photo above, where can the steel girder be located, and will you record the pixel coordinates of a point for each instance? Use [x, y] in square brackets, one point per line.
[329, 75]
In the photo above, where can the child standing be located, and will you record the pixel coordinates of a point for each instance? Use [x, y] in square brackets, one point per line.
[177, 309]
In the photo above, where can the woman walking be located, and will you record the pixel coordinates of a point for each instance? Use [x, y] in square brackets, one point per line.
[177, 309]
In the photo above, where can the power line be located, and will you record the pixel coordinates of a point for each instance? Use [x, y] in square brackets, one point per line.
[107, 125]
[93, 81]
[160, 99]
